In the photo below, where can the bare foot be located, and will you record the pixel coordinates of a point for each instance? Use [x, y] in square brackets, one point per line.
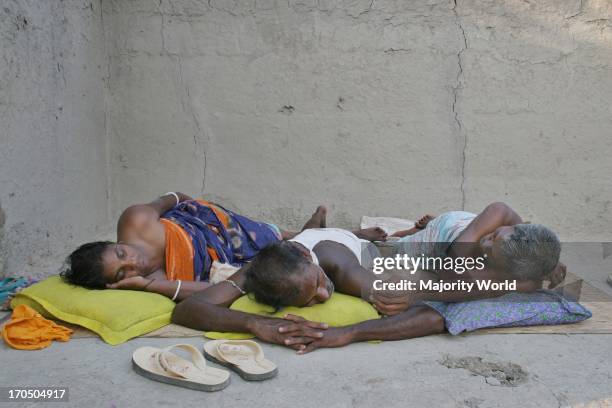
[318, 219]
[423, 221]
[372, 234]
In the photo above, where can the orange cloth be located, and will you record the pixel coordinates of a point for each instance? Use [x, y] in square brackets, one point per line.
[179, 252]
[179, 248]
[28, 330]
[223, 217]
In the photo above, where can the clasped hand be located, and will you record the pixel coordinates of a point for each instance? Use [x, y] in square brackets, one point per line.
[300, 334]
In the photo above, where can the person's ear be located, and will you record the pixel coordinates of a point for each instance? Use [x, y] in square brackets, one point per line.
[305, 253]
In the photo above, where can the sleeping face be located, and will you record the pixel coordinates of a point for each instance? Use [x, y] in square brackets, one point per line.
[122, 261]
[313, 285]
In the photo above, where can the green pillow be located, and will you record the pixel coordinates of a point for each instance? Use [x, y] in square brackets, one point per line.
[119, 315]
[115, 315]
[339, 310]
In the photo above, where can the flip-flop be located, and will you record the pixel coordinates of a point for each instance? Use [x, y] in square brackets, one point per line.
[164, 366]
[245, 357]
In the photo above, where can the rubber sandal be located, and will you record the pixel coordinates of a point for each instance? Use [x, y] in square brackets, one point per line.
[164, 366]
[245, 357]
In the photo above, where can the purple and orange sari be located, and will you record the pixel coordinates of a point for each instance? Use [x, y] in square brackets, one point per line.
[199, 232]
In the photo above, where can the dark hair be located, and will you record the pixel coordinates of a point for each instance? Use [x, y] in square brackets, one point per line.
[85, 265]
[268, 277]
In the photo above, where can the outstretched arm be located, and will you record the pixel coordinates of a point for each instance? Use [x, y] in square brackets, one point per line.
[196, 313]
[415, 322]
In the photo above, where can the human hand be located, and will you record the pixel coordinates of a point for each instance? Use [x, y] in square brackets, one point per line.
[332, 337]
[131, 283]
[393, 302]
[291, 331]
[557, 275]
[298, 331]
[423, 221]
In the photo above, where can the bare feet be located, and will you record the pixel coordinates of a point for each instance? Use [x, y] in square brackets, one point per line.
[318, 219]
[322, 214]
[372, 234]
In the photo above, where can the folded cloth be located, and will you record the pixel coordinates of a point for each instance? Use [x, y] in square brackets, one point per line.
[199, 232]
[28, 330]
[543, 307]
[221, 271]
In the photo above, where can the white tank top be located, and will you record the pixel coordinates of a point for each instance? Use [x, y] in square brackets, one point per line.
[311, 237]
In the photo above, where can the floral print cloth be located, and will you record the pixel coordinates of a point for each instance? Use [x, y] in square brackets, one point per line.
[543, 307]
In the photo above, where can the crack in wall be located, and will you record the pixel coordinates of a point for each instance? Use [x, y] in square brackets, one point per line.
[579, 12]
[187, 103]
[200, 151]
[456, 88]
[107, 132]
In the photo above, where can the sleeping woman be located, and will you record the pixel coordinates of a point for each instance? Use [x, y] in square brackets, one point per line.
[169, 245]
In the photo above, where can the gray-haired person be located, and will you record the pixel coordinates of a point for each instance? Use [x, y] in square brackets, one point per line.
[510, 249]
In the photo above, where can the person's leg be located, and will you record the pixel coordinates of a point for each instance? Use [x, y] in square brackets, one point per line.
[371, 234]
[317, 220]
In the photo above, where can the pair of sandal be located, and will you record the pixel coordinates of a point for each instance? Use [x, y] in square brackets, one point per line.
[245, 357]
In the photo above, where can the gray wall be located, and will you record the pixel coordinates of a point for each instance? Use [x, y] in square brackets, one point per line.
[273, 107]
[373, 107]
[53, 155]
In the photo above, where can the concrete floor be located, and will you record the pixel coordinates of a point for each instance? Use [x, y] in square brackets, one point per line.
[560, 370]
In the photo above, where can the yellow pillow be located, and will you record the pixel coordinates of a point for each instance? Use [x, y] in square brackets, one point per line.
[115, 315]
[339, 310]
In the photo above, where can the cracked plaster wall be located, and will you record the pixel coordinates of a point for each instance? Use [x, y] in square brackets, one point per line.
[53, 159]
[273, 107]
[372, 107]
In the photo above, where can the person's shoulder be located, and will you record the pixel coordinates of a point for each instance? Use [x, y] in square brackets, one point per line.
[136, 217]
[336, 253]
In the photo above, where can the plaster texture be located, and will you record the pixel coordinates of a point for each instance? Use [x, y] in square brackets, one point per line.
[272, 107]
[547, 371]
[372, 107]
[53, 155]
